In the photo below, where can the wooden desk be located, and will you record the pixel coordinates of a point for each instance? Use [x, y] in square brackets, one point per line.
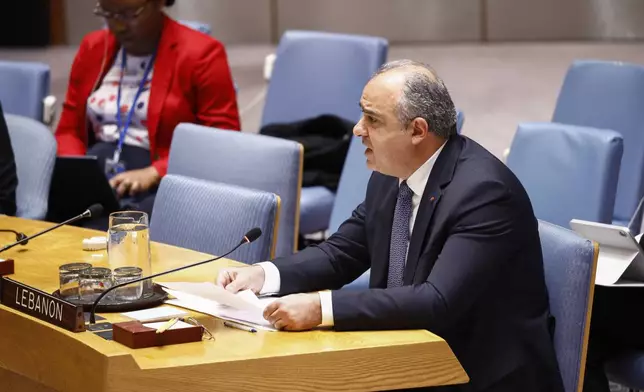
[36, 356]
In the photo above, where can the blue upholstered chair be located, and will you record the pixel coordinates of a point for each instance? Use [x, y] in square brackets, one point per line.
[24, 87]
[570, 262]
[608, 95]
[319, 73]
[248, 160]
[34, 148]
[627, 369]
[212, 217]
[569, 172]
[460, 120]
[199, 26]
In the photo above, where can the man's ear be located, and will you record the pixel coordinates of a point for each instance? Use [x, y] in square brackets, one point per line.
[419, 130]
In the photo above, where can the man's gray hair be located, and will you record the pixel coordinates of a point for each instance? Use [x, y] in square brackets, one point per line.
[424, 96]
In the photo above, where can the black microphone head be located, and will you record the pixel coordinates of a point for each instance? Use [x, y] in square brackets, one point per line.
[95, 210]
[20, 237]
[253, 234]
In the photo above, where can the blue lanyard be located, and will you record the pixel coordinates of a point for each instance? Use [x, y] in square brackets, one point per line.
[121, 126]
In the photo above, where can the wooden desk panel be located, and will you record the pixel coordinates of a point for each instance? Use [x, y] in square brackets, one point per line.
[46, 356]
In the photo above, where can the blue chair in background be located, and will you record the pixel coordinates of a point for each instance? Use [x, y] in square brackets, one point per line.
[569, 172]
[212, 217]
[244, 159]
[608, 95]
[34, 148]
[570, 263]
[319, 73]
[199, 26]
[25, 85]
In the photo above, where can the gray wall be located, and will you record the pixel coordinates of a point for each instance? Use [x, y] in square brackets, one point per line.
[400, 21]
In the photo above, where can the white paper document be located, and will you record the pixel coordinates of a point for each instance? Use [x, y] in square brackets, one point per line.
[244, 307]
[162, 313]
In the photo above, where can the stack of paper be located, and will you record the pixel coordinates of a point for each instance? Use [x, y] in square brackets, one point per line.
[244, 307]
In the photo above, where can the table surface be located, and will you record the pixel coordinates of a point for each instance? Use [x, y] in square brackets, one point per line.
[236, 360]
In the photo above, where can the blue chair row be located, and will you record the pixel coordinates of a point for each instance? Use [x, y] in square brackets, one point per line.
[569, 172]
[247, 160]
[319, 73]
[212, 217]
[24, 87]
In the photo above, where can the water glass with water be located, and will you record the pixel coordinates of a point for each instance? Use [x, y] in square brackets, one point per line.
[69, 277]
[131, 292]
[128, 244]
[93, 282]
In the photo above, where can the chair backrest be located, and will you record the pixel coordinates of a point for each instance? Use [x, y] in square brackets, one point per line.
[34, 148]
[212, 217]
[608, 95]
[199, 26]
[253, 161]
[569, 172]
[570, 262]
[352, 186]
[24, 88]
[321, 73]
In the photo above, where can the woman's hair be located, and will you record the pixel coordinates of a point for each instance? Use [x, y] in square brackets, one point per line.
[169, 3]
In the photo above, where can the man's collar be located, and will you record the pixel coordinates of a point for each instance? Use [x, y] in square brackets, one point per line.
[418, 179]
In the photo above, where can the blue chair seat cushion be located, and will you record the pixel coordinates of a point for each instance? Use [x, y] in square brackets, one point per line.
[316, 204]
[627, 368]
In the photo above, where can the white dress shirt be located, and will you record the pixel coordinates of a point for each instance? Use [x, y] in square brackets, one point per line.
[416, 182]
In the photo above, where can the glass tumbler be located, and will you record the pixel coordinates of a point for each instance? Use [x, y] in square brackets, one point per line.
[131, 292]
[93, 282]
[128, 244]
[69, 277]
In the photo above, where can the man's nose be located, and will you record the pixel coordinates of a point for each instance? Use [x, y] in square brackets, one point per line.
[358, 129]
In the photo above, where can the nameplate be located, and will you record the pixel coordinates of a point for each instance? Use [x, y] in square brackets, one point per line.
[41, 305]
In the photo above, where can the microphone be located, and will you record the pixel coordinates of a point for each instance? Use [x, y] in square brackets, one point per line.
[19, 236]
[93, 211]
[249, 237]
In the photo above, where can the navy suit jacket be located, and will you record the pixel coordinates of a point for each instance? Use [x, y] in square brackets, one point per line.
[474, 272]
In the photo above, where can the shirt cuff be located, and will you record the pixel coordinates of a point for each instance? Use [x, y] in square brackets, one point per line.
[326, 303]
[272, 282]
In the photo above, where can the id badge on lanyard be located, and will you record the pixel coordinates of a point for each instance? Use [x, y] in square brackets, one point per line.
[115, 166]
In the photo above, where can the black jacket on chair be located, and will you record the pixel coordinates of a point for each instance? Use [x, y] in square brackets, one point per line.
[474, 272]
[8, 177]
[325, 139]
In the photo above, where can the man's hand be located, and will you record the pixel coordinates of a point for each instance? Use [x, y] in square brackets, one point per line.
[297, 312]
[135, 181]
[242, 278]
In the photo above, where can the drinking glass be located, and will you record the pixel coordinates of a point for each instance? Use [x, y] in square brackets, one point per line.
[93, 282]
[128, 244]
[132, 291]
[69, 277]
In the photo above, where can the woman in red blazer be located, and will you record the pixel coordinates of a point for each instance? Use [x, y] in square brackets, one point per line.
[159, 73]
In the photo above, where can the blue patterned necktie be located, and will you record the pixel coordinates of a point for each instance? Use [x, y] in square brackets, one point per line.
[399, 236]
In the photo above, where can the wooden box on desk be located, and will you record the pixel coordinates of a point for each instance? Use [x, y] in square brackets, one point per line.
[6, 267]
[134, 334]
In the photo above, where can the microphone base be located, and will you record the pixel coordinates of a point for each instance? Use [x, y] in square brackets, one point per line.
[109, 305]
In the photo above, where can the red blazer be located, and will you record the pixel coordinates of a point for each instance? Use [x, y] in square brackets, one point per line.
[191, 83]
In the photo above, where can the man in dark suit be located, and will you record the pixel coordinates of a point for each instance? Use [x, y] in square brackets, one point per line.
[449, 234]
[8, 177]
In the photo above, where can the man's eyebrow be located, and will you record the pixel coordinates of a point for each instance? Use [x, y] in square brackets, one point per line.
[368, 111]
